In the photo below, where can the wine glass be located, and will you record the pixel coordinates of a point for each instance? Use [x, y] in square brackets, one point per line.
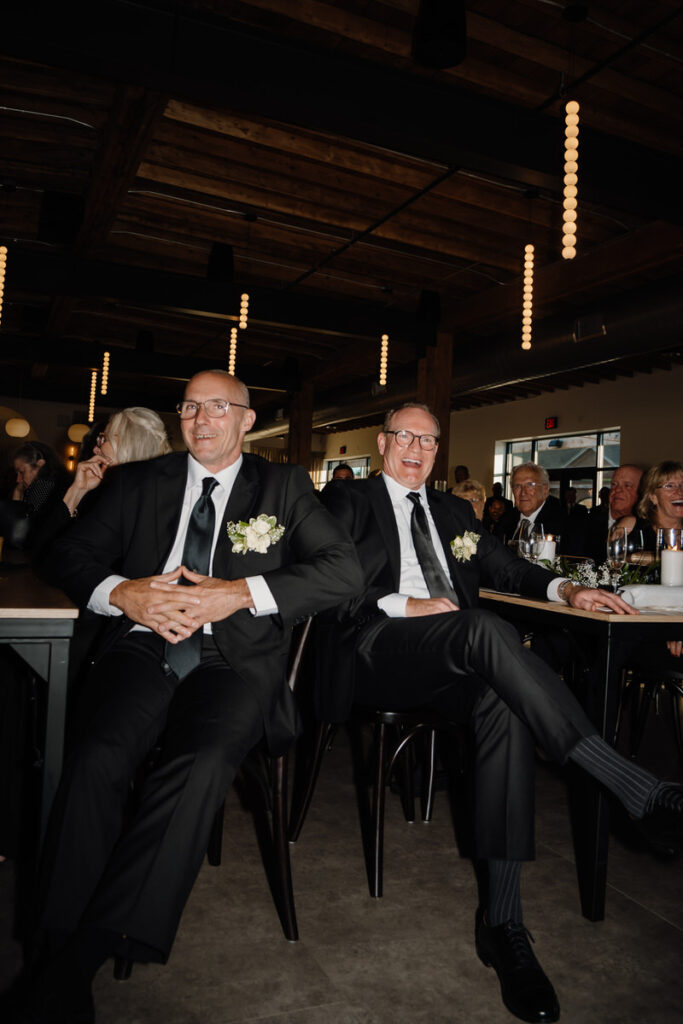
[617, 550]
[538, 543]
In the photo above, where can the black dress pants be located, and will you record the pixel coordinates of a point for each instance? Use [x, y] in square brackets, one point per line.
[135, 882]
[471, 666]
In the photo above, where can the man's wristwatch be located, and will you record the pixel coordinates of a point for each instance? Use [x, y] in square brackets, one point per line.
[564, 590]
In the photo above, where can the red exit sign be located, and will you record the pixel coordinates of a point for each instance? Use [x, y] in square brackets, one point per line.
[551, 423]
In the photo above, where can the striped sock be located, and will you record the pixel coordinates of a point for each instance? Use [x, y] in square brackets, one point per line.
[634, 787]
[505, 899]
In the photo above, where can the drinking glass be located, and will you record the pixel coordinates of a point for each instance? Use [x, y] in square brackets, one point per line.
[538, 544]
[524, 540]
[617, 550]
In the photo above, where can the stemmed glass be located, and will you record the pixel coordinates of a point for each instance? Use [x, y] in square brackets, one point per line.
[525, 540]
[537, 544]
[617, 550]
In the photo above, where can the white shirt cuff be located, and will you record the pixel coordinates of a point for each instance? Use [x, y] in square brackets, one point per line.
[264, 602]
[99, 599]
[553, 588]
[393, 605]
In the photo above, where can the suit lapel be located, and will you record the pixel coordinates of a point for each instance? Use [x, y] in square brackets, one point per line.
[168, 505]
[384, 513]
[447, 529]
[241, 505]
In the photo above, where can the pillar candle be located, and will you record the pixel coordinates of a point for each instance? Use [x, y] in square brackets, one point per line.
[672, 568]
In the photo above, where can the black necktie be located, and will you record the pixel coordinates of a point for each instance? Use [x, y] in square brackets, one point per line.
[186, 655]
[437, 582]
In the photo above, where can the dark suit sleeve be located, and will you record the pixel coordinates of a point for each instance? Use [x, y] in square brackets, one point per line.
[321, 569]
[504, 571]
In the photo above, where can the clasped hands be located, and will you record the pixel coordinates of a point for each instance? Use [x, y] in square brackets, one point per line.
[176, 612]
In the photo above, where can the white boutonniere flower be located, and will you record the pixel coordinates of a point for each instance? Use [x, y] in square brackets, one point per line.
[256, 535]
[464, 547]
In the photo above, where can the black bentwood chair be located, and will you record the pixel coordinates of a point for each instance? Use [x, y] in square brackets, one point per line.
[394, 736]
[266, 777]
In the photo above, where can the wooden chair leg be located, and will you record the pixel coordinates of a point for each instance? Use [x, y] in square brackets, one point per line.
[301, 799]
[283, 867]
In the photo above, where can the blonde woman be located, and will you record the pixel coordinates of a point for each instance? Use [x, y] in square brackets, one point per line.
[472, 491]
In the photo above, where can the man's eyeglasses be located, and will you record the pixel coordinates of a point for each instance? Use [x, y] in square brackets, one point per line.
[625, 486]
[214, 408]
[404, 439]
[528, 485]
[671, 486]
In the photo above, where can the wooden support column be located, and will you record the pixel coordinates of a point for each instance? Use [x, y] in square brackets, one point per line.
[301, 426]
[434, 374]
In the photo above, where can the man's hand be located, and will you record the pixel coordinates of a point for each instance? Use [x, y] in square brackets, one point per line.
[429, 606]
[591, 599]
[171, 616]
[675, 647]
[212, 599]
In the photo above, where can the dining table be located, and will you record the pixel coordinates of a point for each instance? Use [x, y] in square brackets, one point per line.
[37, 622]
[608, 631]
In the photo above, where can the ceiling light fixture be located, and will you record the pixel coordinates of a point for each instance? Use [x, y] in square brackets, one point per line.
[3, 267]
[244, 310]
[528, 296]
[233, 350]
[105, 374]
[571, 167]
[383, 357]
[93, 393]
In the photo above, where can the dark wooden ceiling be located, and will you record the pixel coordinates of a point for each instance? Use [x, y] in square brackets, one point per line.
[158, 159]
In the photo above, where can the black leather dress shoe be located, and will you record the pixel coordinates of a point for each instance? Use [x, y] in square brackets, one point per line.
[662, 827]
[526, 990]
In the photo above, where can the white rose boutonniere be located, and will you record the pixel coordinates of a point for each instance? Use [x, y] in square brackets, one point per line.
[256, 535]
[464, 547]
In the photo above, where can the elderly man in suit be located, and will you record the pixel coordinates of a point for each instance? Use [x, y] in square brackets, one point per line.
[623, 497]
[533, 503]
[202, 663]
[415, 636]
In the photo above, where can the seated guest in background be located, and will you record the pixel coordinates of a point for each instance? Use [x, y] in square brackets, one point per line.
[496, 495]
[472, 491]
[460, 473]
[131, 435]
[201, 666]
[603, 498]
[533, 502]
[342, 472]
[571, 506]
[661, 504]
[493, 514]
[576, 520]
[623, 495]
[41, 480]
[416, 637]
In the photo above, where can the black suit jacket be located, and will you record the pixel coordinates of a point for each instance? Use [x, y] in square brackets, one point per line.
[551, 517]
[130, 531]
[366, 511]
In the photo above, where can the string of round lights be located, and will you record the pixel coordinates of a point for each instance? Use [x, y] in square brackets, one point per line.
[527, 296]
[105, 374]
[383, 358]
[244, 310]
[233, 350]
[3, 268]
[571, 167]
[93, 393]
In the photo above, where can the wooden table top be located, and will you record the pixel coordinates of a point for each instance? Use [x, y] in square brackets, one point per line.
[24, 596]
[560, 608]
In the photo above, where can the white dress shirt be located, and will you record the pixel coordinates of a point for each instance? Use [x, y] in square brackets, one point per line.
[264, 602]
[412, 582]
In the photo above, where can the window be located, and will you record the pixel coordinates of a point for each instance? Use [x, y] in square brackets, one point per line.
[583, 461]
[360, 466]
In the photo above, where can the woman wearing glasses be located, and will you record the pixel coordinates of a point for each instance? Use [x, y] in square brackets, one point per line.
[661, 504]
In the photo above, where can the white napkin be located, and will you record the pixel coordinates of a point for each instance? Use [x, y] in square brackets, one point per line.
[653, 595]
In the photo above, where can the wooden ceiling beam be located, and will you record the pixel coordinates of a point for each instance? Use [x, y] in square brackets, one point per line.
[219, 62]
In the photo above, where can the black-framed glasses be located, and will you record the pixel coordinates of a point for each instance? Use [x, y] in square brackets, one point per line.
[214, 408]
[404, 439]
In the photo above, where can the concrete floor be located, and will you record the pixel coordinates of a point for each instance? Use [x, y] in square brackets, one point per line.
[408, 957]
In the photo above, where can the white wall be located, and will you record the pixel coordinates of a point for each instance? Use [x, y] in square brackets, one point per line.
[646, 408]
